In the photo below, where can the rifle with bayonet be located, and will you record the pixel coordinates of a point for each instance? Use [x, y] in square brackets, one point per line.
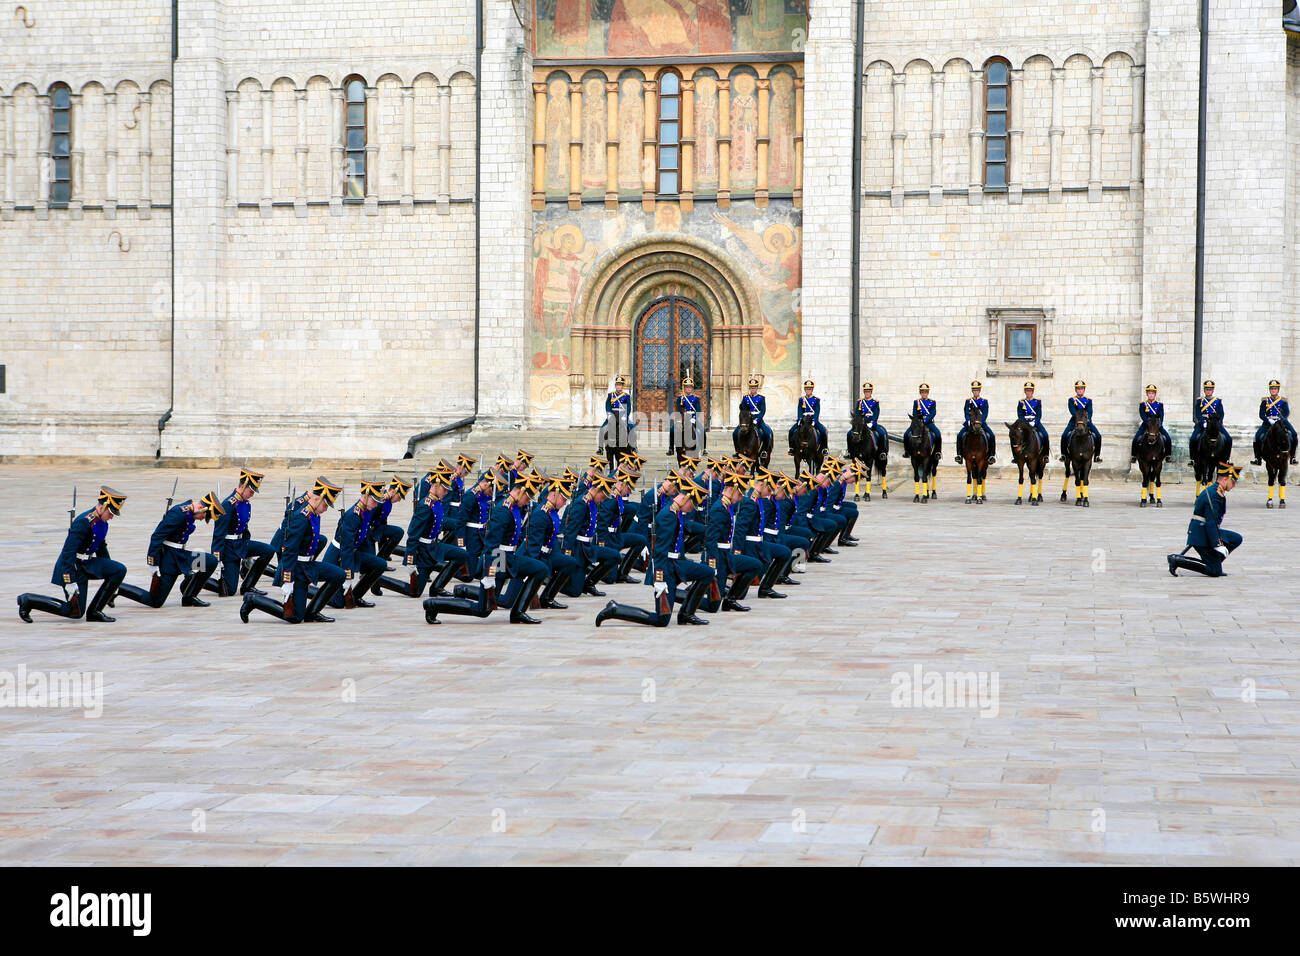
[72, 512]
[172, 496]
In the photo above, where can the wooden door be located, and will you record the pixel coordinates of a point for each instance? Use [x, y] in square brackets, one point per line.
[672, 342]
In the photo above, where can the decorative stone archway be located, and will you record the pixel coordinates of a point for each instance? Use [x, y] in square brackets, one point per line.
[630, 277]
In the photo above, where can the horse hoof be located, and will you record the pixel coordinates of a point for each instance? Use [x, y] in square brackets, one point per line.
[1282, 504]
[982, 499]
[1062, 495]
[1269, 505]
[883, 494]
[915, 498]
[1142, 503]
[1160, 504]
[1019, 500]
[866, 497]
[857, 497]
[1086, 503]
[968, 501]
[1035, 501]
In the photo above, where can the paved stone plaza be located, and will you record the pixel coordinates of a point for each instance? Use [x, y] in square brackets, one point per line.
[1139, 719]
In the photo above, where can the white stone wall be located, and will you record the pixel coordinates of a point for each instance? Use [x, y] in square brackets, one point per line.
[84, 310]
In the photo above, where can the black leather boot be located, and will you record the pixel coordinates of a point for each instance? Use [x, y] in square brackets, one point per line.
[255, 571]
[625, 612]
[735, 593]
[406, 589]
[694, 595]
[527, 591]
[445, 574]
[39, 602]
[765, 589]
[262, 602]
[625, 566]
[595, 576]
[1187, 564]
[191, 588]
[322, 597]
[95, 612]
[552, 588]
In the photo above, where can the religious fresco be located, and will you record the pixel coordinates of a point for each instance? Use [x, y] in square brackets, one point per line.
[762, 245]
[592, 29]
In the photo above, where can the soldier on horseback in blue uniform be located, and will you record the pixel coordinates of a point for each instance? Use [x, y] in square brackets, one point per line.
[1030, 411]
[1204, 531]
[1147, 411]
[809, 404]
[983, 405]
[1080, 401]
[1207, 407]
[687, 404]
[869, 409]
[757, 406]
[1273, 407]
[620, 401]
[926, 407]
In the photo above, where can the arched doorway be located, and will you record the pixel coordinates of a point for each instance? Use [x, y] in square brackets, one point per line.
[672, 342]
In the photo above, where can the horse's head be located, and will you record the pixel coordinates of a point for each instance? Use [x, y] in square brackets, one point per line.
[976, 416]
[1213, 425]
[1152, 429]
[746, 415]
[1081, 416]
[857, 424]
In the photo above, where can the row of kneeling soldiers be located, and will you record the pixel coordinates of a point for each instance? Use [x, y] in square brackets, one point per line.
[514, 537]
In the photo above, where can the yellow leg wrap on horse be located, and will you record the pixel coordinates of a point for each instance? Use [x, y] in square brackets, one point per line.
[1281, 492]
[968, 485]
[918, 487]
[868, 486]
[1270, 492]
[1085, 490]
[883, 484]
[1157, 492]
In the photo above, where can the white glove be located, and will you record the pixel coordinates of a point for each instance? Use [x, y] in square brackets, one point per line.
[489, 582]
[661, 587]
[1222, 550]
[287, 591]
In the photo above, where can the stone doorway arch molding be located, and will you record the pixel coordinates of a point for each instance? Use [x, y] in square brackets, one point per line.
[626, 279]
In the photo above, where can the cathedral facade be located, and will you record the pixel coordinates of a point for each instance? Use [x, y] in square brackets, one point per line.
[270, 229]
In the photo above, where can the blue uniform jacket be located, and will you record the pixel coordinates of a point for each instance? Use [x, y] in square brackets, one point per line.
[1030, 410]
[612, 401]
[1205, 410]
[719, 537]
[1273, 408]
[87, 536]
[176, 526]
[982, 404]
[869, 409]
[926, 407]
[757, 407]
[1203, 528]
[541, 530]
[505, 530]
[581, 520]
[809, 404]
[354, 529]
[300, 533]
[1076, 403]
[1149, 410]
[233, 522]
[670, 531]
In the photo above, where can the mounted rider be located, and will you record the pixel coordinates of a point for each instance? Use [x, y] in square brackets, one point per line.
[926, 407]
[757, 406]
[1148, 410]
[687, 404]
[809, 404]
[620, 401]
[1030, 411]
[1078, 401]
[869, 409]
[982, 404]
[1273, 407]
[1207, 407]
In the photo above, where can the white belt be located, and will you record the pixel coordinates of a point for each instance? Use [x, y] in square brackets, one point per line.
[546, 550]
[234, 537]
[174, 544]
[334, 543]
[84, 557]
[722, 545]
[1198, 518]
[426, 541]
[674, 554]
[507, 547]
[612, 529]
[471, 524]
[584, 540]
[771, 531]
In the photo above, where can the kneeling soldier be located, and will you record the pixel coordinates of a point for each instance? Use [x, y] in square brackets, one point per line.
[170, 559]
[582, 540]
[300, 539]
[1212, 542]
[351, 547]
[424, 550]
[233, 543]
[615, 517]
[670, 566]
[84, 556]
[724, 546]
[542, 541]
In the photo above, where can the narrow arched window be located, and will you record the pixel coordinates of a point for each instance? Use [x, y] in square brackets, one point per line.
[60, 144]
[997, 101]
[354, 138]
[670, 112]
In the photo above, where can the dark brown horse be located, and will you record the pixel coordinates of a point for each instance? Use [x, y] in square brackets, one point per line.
[863, 447]
[918, 446]
[1151, 459]
[748, 439]
[1275, 448]
[1029, 454]
[974, 451]
[1208, 453]
[1078, 458]
[805, 445]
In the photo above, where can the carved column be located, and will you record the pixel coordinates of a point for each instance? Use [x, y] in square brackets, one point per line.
[976, 194]
[110, 155]
[408, 150]
[763, 141]
[611, 145]
[936, 139]
[144, 207]
[300, 152]
[1015, 133]
[10, 156]
[374, 174]
[1136, 129]
[76, 156]
[798, 142]
[575, 145]
[1094, 135]
[444, 150]
[649, 165]
[1055, 132]
[232, 148]
[539, 145]
[44, 165]
[338, 175]
[897, 138]
[268, 152]
[724, 143]
[687, 139]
